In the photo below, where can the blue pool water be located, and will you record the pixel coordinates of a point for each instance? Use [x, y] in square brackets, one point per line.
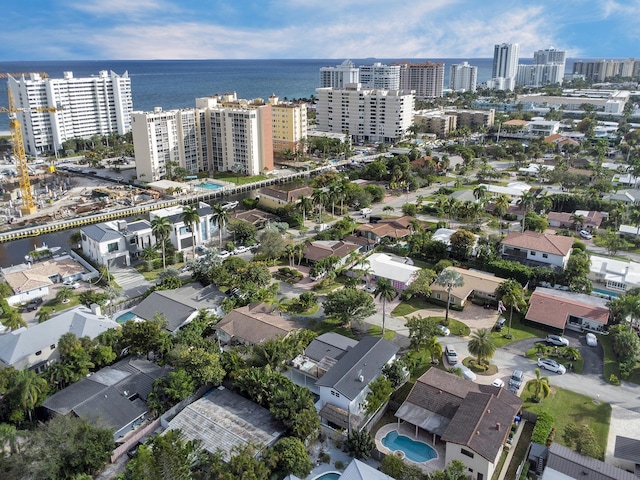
[414, 450]
[328, 476]
[209, 185]
[605, 292]
[125, 316]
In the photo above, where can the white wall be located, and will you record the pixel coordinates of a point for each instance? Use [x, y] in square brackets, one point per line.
[478, 463]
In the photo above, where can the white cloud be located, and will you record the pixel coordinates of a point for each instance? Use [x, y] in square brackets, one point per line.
[113, 8]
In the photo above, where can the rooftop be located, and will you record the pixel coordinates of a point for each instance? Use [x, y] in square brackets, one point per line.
[255, 324]
[552, 307]
[392, 268]
[540, 242]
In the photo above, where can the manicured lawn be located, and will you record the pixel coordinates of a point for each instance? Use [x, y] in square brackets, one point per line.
[376, 331]
[311, 311]
[519, 331]
[152, 275]
[413, 305]
[570, 407]
[560, 357]
[238, 180]
[611, 365]
[330, 325]
[54, 306]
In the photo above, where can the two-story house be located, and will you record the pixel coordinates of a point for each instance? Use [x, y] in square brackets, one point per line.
[537, 249]
[180, 235]
[116, 242]
[274, 198]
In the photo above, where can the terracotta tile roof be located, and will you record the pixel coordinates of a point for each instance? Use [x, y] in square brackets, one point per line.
[286, 195]
[385, 230]
[540, 242]
[255, 216]
[552, 307]
[515, 123]
[39, 274]
[473, 280]
[315, 251]
[255, 324]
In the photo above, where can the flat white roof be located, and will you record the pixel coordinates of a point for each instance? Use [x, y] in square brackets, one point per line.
[385, 266]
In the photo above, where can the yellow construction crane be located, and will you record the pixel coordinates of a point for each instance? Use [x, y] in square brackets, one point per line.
[28, 206]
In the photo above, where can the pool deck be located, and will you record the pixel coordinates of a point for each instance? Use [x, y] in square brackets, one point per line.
[410, 431]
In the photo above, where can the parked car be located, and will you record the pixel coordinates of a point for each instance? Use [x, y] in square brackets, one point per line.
[498, 382]
[71, 284]
[591, 339]
[450, 354]
[586, 235]
[370, 288]
[557, 340]
[551, 365]
[224, 254]
[500, 324]
[466, 372]
[240, 249]
[444, 331]
[517, 377]
[34, 304]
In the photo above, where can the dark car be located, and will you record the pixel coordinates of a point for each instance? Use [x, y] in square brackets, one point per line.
[374, 218]
[516, 379]
[500, 324]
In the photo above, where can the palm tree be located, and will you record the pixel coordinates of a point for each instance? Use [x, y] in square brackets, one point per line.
[63, 295]
[30, 389]
[220, 216]
[577, 221]
[388, 208]
[305, 204]
[502, 205]
[43, 315]
[449, 279]
[526, 202]
[540, 386]
[161, 228]
[8, 436]
[434, 348]
[320, 197]
[385, 291]
[511, 293]
[482, 345]
[480, 192]
[13, 320]
[191, 219]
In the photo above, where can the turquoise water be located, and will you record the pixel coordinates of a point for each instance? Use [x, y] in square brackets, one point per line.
[125, 316]
[414, 450]
[209, 186]
[605, 292]
[328, 476]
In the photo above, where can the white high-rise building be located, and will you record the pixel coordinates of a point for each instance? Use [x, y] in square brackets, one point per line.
[220, 134]
[425, 79]
[84, 107]
[463, 77]
[505, 66]
[368, 115]
[378, 75]
[340, 75]
[550, 56]
[547, 69]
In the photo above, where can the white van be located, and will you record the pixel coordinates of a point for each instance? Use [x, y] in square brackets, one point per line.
[366, 211]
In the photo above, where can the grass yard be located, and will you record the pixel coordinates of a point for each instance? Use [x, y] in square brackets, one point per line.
[519, 331]
[413, 305]
[611, 362]
[238, 180]
[570, 407]
[376, 331]
[330, 325]
[54, 306]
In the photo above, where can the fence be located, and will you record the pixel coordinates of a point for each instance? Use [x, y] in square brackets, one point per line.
[133, 440]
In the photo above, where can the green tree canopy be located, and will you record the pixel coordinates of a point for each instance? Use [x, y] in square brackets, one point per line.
[349, 304]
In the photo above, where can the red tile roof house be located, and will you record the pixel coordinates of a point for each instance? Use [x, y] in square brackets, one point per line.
[559, 310]
[537, 249]
[392, 228]
[592, 219]
[318, 250]
[473, 420]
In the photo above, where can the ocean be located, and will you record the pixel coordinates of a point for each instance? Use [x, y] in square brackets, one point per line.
[174, 84]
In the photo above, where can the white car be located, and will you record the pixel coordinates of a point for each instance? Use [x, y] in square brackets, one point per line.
[498, 382]
[586, 235]
[224, 254]
[370, 288]
[240, 249]
[557, 340]
[444, 330]
[591, 340]
[71, 284]
[551, 365]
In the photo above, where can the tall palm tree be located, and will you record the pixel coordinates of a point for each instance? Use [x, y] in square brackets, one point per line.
[511, 293]
[305, 204]
[385, 291]
[482, 345]
[320, 197]
[480, 192]
[434, 348]
[191, 219]
[502, 205]
[526, 202]
[540, 386]
[449, 279]
[30, 389]
[220, 216]
[577, 221]
[161, 229]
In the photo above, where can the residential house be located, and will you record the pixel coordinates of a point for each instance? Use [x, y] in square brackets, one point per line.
[629, 197]
[557, 462]
[444, 235]
[321, 249]
[255, 217]
[113, 398]
[616, 275]
[535, 169]
[274, 197]
[224, 421]
[537, 249]
[343, 389]
[625, 180]
[395, 269]
[474, 420]
[560, 140]
[476, 285]
[513, 190]
[36, 347]
[32, 280]
[591, 220]
[626, 454]
[252, 325]
[629, 230]
[180, 306]
[116, 242]
[558, 310]
[392, 229]
[180, 236]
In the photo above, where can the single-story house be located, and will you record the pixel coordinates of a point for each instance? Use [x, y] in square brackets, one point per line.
[556, 310]
[394, 269]
[626, 454]
[36, 347]
[630, 196]
[535, 168]
[32, 280]
[391, 228]
[560, 140]
[629, 230]
[476, 284]
[321, 249]
[343, 389]
[474, 420]
[255, 217]
[113, 398]
[366, 244]
[615, 275]
[444, 235]
[537, 249]
[277, 197]
[513, 190]
[625, 180]
[223, 421]
[592, 219]
[179, 306]
[253, 324]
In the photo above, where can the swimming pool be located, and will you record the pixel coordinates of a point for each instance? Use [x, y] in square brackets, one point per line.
[209, 185]
[329, 476]
[125, 316]
[413, 449]
[605, 292]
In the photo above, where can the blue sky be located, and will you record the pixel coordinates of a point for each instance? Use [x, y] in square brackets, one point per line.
[255, 29]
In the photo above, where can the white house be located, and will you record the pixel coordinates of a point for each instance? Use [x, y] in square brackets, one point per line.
[36, 347]
[513, 190]
[444, 235]
[613, 274]
[343, 389]
[537, 249]
[180, 236]
[116, 242]
[392, 268]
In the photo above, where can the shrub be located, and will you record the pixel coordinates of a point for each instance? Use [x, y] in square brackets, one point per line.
[324, 457]
[339, 464]
[614, 380]
[543, 428]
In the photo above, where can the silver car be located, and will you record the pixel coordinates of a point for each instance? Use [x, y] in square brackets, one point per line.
[551, 365]
[557, 340]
